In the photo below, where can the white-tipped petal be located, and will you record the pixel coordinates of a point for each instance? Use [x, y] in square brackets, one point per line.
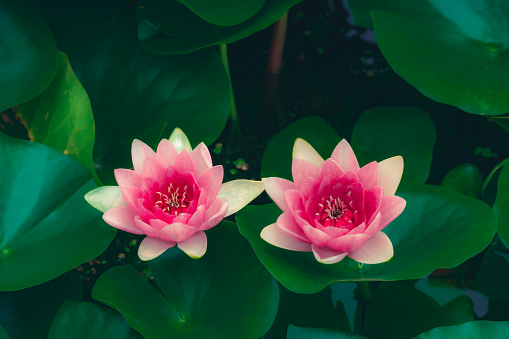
[239, 193]
[345, 157]
[195, 246]
[326, 255]
[304, 151]
[139, 152]
[375, 250]
[391, 171]
[180, 140]
[275, 236]
[275, 188]
[105, 198]
[151, 248]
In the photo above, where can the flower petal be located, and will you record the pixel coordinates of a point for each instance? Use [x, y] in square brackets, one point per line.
[301, 169]
[331, 168]
[391, 171]
[174, 232]
[316, 236]
[369, 175]
[214, 214]
[390, 209]
[123, 219]
[275, 236]
[375, 250]
[151, 248]
[154, 170]
[211, 180]
[348, 243]
[166, 153]
[201, 158]
[184, 162]
[275, 188]
[127, 178]
[194, 246]
[139, 152]
[105, 198]
[345, 157]
[326, 255]
[287, 224]
[304, 151]
[180, 140]
[239, 193]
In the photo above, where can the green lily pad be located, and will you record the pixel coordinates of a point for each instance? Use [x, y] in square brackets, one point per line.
[490, 185]
[492, 277]
[168, 27]
[501, 206]
[474, 329]
[46, 226]
[224, 12]
[295, 332]
[277, 158]
[82, 320]
[130, 89]
[225, 294]
[29, 53]
[411, 312]
[438, 229]
[28, 313]
[454, 52]
[465, 179]
[385, 131]
[61, 117]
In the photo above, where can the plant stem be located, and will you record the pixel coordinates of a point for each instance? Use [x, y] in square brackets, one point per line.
[363, 292]
[223, 52]
[278, 44]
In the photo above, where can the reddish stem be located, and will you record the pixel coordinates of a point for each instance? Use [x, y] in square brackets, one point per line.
[278, 44]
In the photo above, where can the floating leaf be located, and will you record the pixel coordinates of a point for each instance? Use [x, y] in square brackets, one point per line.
[224, 12]
[473, 329]
[465, 179]
[295, 332]
[501, 206]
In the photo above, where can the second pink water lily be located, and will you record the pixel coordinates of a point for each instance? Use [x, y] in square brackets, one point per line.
[173, 196]
[334, 208]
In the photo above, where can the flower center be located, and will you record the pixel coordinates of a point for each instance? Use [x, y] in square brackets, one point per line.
[175, 202]
[336, 213]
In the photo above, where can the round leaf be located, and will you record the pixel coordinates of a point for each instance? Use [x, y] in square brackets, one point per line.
[225, 294]
[473, 329]
[224, 12]
[295, 332]
[28, 58]
[465, 179]
[46, 226]
[61, 117]
[385, 131]
[438, 229]
[168, 27]
[277, 158]
[81, 320]
[501, 206]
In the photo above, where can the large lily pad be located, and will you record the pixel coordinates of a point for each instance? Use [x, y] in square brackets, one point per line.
[225, 294]
[224, 12]
[82, 320]
[46, 226]
[169, 27]
[501, 206]
[295, 332]
[385, 131]
[438, 228]
[29, 53]
[454, 52]
[465, 179]
[493, 276]
[61, 117]
[474, 329]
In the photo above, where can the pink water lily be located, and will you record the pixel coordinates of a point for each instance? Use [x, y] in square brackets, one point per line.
[173, 195]
[334, 208]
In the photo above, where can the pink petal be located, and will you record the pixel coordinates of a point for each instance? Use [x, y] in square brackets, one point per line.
[391, 208]
[304, 151]
[391, 171]
[275, 188]
[158, 224]
[372, 202]
[348, 243]
[369, 175]
[301, 170]
[154, 170]
[139, 152]
[309, 187]
[166, 153]
[127, 178]
[123, 219]
[375, 250]
[287, 224]
[151, 248]
[374, 226]
[344, 156]
[131, 196]
[316, 236]
[184, 162]
[198, 217]
[293, 201]
[201, 158]
[195, 246]
[176, 232]
[211, 179]
[215, 213]
[145, 228]
[326, 255]
[330, 167]
[275, 236]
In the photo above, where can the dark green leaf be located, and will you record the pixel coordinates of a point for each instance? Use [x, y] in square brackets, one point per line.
[3, 334]
[81, 320]
[473, 329]
[501, 206]
[385, 131]
[465, 179]
[28, 313]
[439, 228]
[493, 276]
[29, 54]
[295, 332]
[46, 226]
[225, 294]
[224, 12]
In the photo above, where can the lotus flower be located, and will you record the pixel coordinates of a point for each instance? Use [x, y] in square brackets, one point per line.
[172, 195]
[334, 208]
